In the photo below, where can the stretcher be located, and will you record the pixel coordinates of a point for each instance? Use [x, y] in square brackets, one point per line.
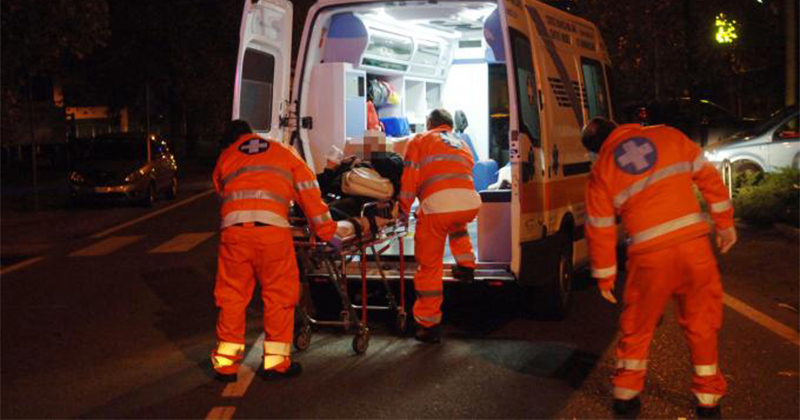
[371, 237]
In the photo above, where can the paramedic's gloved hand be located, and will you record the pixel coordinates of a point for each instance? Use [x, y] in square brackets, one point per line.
[725, 239]
[334, 157]
[608, 294]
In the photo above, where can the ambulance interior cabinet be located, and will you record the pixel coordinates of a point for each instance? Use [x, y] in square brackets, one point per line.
[494, 226]
[338, 108]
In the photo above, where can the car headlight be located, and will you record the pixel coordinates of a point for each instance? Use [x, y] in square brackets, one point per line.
[76, 177]
[135, 175]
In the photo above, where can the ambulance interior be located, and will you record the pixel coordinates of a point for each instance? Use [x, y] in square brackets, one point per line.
[409, 58]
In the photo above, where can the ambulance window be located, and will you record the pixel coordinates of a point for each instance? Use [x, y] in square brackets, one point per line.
[595, 88]
[527, 97]
[258, 73]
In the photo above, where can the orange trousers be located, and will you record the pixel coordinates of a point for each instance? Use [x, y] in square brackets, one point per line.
[265, 253]
[430, 234]
[686, 273]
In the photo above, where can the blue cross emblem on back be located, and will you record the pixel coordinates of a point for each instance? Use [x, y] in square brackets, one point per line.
[254, 146]
[636, 155]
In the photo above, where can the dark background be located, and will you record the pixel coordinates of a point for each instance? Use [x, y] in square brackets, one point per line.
[177, 59]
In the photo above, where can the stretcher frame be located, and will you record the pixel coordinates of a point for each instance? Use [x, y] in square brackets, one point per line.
[335, 260]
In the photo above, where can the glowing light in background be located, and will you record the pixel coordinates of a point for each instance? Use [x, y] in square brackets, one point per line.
[726, 29]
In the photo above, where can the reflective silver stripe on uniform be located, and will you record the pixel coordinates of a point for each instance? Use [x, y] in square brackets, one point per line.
[632, 364]
[263, 216]
[440, 177]
[277, 348]
[640, 185]
[458, 234]
[720, 206]
[705, 370]
[429, 293]
[698, 163]
[667, 227]
[601, 273]
[706, 399]
[444, 157]
[625, 393]
[318, 220]
[253, 195]
[258, 168]
[411, 164]
[464, 257]
[306, 185]
[601, 222]
[406, 195]
[431, 319]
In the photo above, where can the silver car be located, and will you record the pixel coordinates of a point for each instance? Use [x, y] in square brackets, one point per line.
[771, 145]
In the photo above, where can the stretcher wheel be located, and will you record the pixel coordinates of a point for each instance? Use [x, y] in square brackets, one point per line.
[361, 341]
[401, 321]
[303, 338]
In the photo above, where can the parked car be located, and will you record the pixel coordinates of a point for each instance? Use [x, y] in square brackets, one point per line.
[121, 166]
[773, 144]
[703, 121]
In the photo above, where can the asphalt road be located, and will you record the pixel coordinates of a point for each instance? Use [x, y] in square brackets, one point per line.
[121, 326]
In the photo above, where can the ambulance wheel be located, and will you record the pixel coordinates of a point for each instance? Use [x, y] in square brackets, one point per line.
[302, 339]
[401, 321]
[559, 290]
[361, 341]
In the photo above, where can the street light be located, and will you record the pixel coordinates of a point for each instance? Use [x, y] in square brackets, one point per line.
[726, 29]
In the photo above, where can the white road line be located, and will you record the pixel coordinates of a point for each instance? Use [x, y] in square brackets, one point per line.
[224, 412]
[21, 264]
[151, 215]
[106, 246]
[248, 370]
[761, 319]
[182, 243]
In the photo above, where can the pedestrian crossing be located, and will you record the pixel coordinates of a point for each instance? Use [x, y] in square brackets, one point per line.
[180, 243]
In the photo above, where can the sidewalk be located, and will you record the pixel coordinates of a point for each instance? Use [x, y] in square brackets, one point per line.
[26, 232]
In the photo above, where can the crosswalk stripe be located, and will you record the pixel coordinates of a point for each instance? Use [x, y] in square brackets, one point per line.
[106, 246]
[182, 242]
[221, 413]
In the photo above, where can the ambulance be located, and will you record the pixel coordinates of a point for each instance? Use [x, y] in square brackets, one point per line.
[526, 75]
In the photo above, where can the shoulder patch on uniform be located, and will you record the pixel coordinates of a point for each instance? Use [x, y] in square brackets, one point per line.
[450, 139]
[254, 146]
[636, 155]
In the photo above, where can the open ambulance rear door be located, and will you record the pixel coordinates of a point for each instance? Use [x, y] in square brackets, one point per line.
[263, 65]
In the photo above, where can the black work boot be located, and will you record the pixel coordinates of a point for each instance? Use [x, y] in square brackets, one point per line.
[464, 274]
[627, 409]
[714, 412]
[294, 369]
[430, 335]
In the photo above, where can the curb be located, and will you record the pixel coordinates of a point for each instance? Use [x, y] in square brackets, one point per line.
[790, 232]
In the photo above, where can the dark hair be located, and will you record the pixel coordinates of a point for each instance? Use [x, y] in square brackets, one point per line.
[595, 133]
[234, 130]
[439, 117]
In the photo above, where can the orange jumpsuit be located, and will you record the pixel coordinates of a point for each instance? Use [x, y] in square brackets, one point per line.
[438, 171]
[257, 179]
[645, 175]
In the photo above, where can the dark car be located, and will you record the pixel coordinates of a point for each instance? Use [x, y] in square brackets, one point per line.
[125, 166]
[703, 121]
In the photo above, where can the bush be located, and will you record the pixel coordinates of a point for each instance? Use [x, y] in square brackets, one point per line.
[764, 199]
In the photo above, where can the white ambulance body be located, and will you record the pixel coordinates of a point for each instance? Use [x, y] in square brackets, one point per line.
[526, 75]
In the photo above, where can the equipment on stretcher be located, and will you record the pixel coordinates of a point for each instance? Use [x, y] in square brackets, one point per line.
[357, 240]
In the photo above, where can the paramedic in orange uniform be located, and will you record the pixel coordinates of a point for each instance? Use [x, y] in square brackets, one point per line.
[257, 179]
[645, 175]
[438, 171]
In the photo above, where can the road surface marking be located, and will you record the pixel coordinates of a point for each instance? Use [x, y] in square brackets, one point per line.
[248, 370]
[221, 413]
[150, 215]
[106, 246]
[762, 319]
[182, 243]
[21, 264]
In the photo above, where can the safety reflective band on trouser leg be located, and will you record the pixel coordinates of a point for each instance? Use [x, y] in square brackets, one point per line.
[227, 357]
[277, 354]
[707, 400]
[625, 393]
[705, 370]
[428, 321]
